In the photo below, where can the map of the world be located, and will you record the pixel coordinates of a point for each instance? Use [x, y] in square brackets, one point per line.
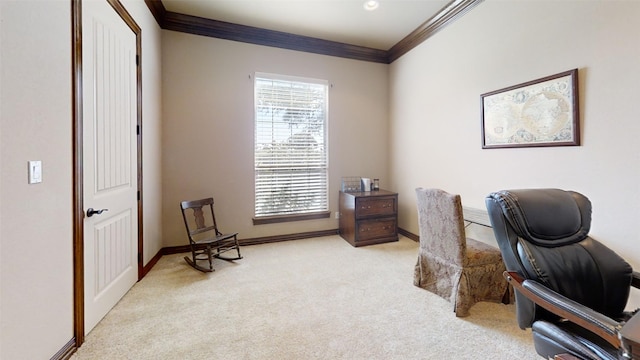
[534, 114]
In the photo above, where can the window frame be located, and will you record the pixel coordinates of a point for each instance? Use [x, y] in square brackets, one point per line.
[293, 216]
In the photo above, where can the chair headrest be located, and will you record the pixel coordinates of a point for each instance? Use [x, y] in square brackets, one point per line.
[546, 217]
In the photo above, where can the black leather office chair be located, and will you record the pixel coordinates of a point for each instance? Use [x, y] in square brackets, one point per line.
[571, 290]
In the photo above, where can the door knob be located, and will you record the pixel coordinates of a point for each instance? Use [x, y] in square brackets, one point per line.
[92, 211]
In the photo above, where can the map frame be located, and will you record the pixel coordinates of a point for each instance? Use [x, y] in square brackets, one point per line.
[541, 112]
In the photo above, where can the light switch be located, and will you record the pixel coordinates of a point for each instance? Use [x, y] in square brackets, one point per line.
[35, 172]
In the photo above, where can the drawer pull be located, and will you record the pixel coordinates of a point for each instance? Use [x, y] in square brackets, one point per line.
[385, 227]
[369, 207]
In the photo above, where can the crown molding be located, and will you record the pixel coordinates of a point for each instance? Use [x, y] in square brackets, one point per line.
[454, 10]
[229, 31]
[157, 10]
[258, 36]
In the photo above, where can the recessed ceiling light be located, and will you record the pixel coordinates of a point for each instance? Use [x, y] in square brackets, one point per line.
[370, 5]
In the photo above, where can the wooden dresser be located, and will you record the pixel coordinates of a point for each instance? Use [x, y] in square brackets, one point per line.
[369, 217]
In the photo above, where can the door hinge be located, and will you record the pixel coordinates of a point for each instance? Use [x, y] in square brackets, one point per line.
[137, 129]
[137, 60]
[138, 195]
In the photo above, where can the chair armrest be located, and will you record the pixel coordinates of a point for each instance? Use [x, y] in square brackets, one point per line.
[566, 308]
[635, 280]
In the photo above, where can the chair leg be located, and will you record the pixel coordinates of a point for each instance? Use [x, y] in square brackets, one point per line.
[193, 263]
[237, 247]
[228, 248]
[507, 297]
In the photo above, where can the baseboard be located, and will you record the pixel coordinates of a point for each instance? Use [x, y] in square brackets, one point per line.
[175, 249]
[66, 351]
[152, 262]
[408, 234]
[278, 238]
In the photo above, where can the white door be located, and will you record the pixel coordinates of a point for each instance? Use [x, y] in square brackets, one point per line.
[109, 159]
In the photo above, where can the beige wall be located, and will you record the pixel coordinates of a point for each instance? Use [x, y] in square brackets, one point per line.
[208, 127]
[36, 263]
[435, 109]
[36, 229]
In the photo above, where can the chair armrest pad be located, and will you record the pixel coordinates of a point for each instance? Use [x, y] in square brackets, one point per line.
[635, 280]
[576, 309]
[591, 320]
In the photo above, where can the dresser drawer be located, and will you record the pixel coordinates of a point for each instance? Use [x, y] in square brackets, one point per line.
[375, 206]
[368, 217]
[376, 228]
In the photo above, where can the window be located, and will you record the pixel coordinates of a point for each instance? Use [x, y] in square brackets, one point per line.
[290, 151]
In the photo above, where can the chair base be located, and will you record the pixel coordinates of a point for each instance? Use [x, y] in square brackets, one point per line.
[196, 266]
[227, 258]
[217, 256]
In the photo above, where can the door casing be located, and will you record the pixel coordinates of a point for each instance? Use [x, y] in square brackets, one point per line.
[78, 186]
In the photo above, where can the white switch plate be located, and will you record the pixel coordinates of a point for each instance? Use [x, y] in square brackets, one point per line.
[35, 172]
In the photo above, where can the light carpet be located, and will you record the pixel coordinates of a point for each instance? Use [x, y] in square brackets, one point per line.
[316, 298]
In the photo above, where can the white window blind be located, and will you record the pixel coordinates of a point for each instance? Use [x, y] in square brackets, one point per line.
[291, 161]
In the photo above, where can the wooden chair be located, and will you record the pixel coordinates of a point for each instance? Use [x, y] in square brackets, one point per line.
[205, 240]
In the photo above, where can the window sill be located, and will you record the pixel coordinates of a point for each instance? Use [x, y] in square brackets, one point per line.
[287, 218]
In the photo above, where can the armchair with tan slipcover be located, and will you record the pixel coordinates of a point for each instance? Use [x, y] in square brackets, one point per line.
[459, 269]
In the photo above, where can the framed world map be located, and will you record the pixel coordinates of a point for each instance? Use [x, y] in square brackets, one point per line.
[542, 112]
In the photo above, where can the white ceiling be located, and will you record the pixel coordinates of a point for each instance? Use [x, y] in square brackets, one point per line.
[344, 21]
